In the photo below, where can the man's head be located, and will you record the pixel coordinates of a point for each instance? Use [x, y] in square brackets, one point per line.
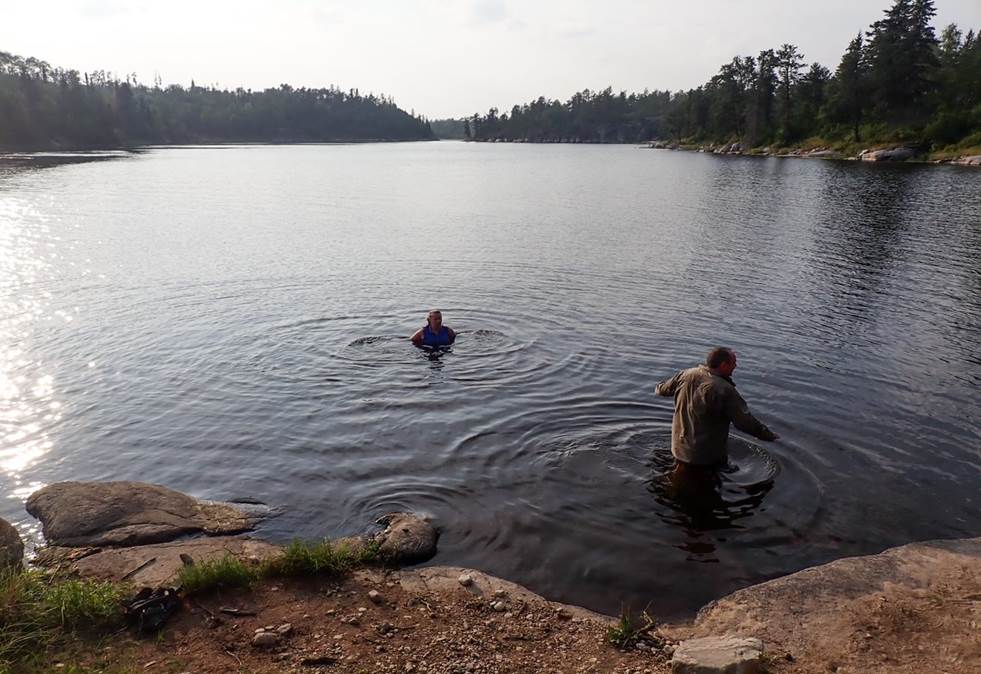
[435, 319]
[721, 360]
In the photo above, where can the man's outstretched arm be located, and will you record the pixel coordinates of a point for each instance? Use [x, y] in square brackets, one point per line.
[668, 387]
[742, 419]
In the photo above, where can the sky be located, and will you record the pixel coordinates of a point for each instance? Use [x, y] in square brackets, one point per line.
[440, 58]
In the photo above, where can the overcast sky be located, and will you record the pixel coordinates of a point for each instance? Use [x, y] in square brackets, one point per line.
[443, 58]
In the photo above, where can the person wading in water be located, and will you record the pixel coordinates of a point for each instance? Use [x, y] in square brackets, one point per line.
[705, 403]
[434, 333]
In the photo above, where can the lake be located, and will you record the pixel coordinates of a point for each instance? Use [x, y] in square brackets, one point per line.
[232, 322]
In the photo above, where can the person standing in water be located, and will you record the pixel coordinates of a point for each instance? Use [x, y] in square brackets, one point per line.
[434, 333]
[705, 403]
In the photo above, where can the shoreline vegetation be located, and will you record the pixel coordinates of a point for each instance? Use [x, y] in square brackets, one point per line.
[897, 85]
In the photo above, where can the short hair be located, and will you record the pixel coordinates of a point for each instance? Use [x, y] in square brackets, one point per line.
[434, 311]
[718, 356]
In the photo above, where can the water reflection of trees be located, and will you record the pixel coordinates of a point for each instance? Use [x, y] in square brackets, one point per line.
[855, 245]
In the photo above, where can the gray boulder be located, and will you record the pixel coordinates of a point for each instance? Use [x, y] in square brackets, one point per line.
[718, 655]
[974, 160]
[407, 538]
[11, 547]
[77, 514]
[895, 154]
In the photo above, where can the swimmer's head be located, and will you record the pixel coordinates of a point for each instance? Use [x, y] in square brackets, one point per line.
[435, 319]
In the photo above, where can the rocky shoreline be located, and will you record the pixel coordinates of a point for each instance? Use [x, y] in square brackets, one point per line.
[893, 153]
[909, 609]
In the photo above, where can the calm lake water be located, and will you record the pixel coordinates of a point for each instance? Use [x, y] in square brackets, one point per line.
[232, 322]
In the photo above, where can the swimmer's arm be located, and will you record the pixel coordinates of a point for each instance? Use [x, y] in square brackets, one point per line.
[417, 338]
[451, 333]
[668, 387]
[742, 418]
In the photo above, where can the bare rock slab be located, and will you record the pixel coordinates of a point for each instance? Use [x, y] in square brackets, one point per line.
[77, 514]
[718, 655]
[152, 565]
[11, 547]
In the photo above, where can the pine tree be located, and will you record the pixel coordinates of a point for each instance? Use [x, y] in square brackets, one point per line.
[849, 88]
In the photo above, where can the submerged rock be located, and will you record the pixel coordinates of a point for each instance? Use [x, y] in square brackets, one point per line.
[718, 655]
[11, 547]
[76, 514]
[407, 538]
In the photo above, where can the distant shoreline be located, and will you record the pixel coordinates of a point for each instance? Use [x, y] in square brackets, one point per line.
[136, 147]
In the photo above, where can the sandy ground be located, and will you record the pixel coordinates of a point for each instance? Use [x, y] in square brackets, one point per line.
[415, 626]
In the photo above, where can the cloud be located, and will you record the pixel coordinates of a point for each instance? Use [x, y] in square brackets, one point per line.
[488, 11]
[103, 9]
[575, 30]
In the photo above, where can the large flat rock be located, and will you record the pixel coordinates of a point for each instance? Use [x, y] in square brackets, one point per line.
[442, 579]
[878, 613]
[152, 565]
[77, 514]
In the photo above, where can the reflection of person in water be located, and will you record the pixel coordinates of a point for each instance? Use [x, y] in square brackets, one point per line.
[434, 333]
[705, 403]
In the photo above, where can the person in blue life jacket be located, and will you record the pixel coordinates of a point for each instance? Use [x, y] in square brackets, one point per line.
[434, 333]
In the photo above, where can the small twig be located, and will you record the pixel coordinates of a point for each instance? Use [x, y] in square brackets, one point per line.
[201, 606]
[232, 655]
[139, 568]
[236, 611]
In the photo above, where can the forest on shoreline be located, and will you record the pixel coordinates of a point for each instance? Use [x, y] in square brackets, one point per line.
[45, 107]
[896, 82]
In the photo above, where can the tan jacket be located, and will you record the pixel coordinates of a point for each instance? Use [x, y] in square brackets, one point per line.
[704, 405]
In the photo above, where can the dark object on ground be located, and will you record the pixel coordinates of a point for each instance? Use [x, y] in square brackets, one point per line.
[150, 608]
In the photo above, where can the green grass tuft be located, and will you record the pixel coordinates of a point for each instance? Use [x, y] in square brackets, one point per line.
[627, 631]
[303, 558]
[37, 610]
[208, 575]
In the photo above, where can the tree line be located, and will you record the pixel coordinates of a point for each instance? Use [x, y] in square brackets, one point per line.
[42, 106]
[897, 81]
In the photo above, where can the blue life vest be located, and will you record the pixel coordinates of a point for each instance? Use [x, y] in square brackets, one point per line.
[441, 338]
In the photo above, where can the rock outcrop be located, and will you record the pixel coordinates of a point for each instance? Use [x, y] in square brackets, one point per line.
[11, 547]
[864, 614]
[974, 160]
[822, 153]
[152, 565]
[76, 514]
[406, 539]
[895, 154]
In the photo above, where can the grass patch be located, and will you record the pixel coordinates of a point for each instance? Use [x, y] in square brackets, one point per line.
[38, 611]
[299, 558]
[627, 631]
[220, 573]
[303, 558]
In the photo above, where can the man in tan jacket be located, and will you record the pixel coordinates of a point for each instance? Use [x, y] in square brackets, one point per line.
[705, 403]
